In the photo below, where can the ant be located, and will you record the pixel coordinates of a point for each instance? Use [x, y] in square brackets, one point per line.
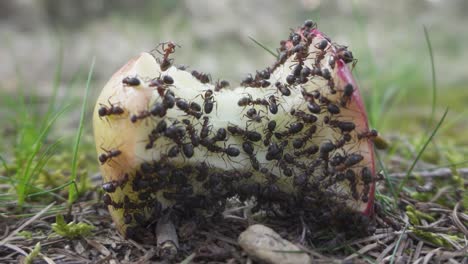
[202, 77]
[205, 131]
[110, 110]
[366, 175]
[156, 133]
[275, 151]
[160, 83]
[249, 135]
[300, 142]
[245, 101]
[188, 109]
[247, 81]
[176, 133]
[253, 116]
[158, 109]
[221, 84]
[312, 106]
[269, 132]
[284, 90]
[131, 81]
[293, 128]
[221, 135]
[344, 54]
[322, 44]
[347, 93]
[368, 134]
[307, 151]
[306, 118]
[166, 51]
[248, 148]
[194, 138]
[344, 126]
[142, 115]
[111, 186]
[310, 24]
[209, 101]
[105, 157]
[273, 104]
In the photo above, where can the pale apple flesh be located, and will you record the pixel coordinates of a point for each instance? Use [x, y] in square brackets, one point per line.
[146, 179]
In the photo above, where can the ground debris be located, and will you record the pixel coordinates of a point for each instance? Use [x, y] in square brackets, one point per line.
[263, 243]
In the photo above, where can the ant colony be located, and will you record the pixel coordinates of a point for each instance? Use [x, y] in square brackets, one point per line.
[292, 138]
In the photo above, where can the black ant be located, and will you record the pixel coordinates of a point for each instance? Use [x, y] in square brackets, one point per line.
[221, 135]
[248, 148]
[269, 132]
[232, 151]
[284, 90]
[209, 101]
[105, 157]
[366, 175]
[131, 81]
[187, 149]
[249, 135]
[156, 133]
[142, 115]
[253, 116]
[186, 107]
[275, 151]
[158, 109]
[173, 151]
[206, 128]
[347, 93]
[245, 101]
[202, 77]
[344, 126]
[160, 83]
[344, 54]
[169, 99]
[273, 104]
[300, 142]
[293, 128]
[110, 110]
[220, 85]
[176, 133]
[306, 118]
[312, 106]
[247, 81]
[307, 151]
[310, 24]
[194, 138]
[322, 44]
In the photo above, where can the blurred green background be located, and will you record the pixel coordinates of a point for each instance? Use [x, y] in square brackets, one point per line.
[387, 37]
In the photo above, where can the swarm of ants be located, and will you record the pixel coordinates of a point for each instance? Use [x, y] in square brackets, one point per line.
[293, 139]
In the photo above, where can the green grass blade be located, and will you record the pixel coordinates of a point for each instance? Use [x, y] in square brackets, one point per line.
[4, 163]
[26, 173]
[264, 47]
[392, 260]
[387, 179]
[53, 190]
[73, 194]
[434, 84]
[408, 173]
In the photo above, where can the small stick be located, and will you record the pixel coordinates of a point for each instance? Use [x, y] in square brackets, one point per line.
[167, 241]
